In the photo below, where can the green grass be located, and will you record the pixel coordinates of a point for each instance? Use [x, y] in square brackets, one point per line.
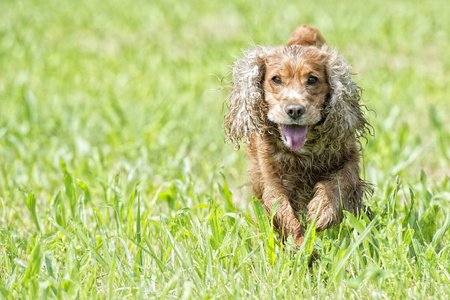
[115, 181]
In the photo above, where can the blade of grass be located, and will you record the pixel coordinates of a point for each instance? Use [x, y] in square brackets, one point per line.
[70, 188]
[440, 232]
[361, 237]
[32, 207]
[138, 230]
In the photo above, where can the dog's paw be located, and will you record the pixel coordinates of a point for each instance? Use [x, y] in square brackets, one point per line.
[326, 209]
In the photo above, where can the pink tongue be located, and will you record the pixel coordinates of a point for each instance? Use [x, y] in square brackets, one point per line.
[295, 135]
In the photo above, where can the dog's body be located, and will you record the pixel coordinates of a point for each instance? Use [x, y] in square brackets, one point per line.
[298, 110]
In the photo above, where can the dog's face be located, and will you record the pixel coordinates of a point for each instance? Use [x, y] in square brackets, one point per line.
[295, 89]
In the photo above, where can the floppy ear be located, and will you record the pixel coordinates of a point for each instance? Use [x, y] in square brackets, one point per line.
[247, 108]
[343, 114]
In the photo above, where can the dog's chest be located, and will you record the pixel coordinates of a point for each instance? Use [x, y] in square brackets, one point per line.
[295, 169]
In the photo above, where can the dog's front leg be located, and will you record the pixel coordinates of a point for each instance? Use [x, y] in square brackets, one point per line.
[267, 186]
[343, 190]
[285, 221]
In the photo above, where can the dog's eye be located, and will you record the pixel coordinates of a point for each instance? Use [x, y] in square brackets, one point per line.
[276, 79]
[312, 79]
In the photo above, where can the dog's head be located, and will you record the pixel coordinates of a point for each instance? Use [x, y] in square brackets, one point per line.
[300, 91]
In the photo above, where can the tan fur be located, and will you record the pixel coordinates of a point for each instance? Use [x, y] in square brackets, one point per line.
[306, 35]
[322, 177]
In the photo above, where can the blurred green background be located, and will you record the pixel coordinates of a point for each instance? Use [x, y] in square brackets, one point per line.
[134, 86]
[133, 89]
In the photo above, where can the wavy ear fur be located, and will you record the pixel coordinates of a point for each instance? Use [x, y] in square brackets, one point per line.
[344, 116]
[247, 111]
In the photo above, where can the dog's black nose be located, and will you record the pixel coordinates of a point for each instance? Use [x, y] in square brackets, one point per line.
[294, 111]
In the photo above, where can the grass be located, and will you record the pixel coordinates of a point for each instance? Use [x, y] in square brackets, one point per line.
[115, 181]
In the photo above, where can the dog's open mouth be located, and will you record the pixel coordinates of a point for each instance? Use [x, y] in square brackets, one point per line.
[295, 135]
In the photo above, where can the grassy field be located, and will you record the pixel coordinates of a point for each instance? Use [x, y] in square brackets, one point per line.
[115, 181]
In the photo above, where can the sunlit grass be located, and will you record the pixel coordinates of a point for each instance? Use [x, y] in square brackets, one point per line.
[115, 181]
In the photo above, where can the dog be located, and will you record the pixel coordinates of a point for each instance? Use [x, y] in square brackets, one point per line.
[298, 110]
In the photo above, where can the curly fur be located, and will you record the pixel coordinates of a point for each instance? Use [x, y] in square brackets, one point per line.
[322, 178]
[247, 111]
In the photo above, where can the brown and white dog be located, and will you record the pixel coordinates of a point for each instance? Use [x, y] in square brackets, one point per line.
[297, 109]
